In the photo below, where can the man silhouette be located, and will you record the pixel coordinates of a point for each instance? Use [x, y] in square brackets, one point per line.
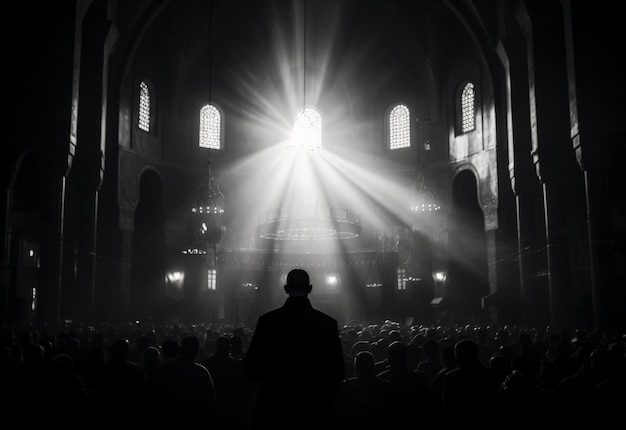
[296, 356]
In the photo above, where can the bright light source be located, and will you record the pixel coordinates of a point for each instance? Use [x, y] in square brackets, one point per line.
[307, 131]
[31, 253]
[440, 276]
[175, 277]
[331, 279]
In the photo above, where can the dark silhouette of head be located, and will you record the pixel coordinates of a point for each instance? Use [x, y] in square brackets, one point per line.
[447, 356]
[151, 356]
[189, 347]
[466, 353]
[359, 346]
[222, 346]
[298, 283]
[431, 350]
[396, 355]
[364, 365]
[394, 335]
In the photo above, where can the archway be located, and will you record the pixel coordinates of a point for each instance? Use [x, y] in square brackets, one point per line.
[149, 244]
[467, 272]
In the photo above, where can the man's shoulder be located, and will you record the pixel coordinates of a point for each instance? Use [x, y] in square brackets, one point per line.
[271, 314]
[283, 313]
[324, 316]
[453, 373]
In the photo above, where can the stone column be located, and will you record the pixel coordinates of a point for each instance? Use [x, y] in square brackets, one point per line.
[96, 47]
[528, 297]
[86, 258]
[593, 143]
[543, 32]
[122, 290]
[49, 291]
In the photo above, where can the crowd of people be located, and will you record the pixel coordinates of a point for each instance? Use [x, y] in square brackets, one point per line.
[192, 376]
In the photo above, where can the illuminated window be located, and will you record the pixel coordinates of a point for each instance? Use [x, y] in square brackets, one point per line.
[210, 127]
[211, 279]
[144, 107]
[307, 130]
[399, 127]
[468, 97]
[401, 278]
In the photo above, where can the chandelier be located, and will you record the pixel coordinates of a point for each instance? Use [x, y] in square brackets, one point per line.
[309, 223]
[205, 228]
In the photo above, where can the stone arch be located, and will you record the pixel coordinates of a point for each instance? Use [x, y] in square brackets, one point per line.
[467, 280]
[149, 248]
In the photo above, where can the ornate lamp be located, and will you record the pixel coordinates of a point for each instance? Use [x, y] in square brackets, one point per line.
[205, 228]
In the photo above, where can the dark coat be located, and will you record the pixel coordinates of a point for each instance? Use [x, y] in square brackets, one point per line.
[296, 355]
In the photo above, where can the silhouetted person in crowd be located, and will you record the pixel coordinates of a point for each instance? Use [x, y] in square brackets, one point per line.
[573, 393]
[29, 388]
[365, 399]
[350, 355]
[40, 388]
[432, 363]
[469, 391]
[185, 390]
[414, 355]
[608, 396]
[136, 353]
[150, 360]
[69, 392]
[520, 396]
[501, 366]
[91, 369]
[231, 386]
[121, 385]
[448, 361]
[296, 355]
[410, 389]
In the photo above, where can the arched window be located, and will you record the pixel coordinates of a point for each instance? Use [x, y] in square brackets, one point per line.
[144, 107]
[210, 127]
[307, 130]
[468, 101]
[399, 123]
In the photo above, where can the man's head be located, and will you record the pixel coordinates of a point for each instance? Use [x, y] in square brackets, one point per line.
[298, 283]
[189, 347]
